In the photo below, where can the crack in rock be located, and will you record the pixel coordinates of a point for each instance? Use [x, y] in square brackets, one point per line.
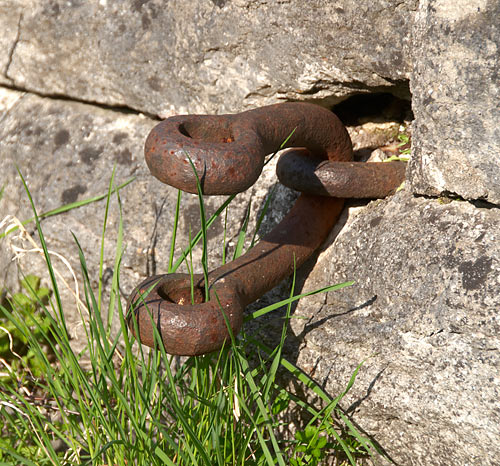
[13, 48]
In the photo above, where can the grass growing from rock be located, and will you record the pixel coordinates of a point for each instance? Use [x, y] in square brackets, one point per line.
[132, 405]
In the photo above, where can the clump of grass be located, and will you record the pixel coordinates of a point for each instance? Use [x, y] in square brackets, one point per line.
[133, 405]
[12, 341]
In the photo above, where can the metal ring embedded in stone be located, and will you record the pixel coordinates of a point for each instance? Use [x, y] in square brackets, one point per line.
[228, 154]
[359, 180]
[228, 150]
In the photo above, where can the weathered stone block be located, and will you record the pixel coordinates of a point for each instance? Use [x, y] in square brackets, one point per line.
[456, 100]
[423, 313]
[208, 56]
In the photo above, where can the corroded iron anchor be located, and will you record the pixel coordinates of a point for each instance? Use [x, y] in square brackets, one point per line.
[228, 152]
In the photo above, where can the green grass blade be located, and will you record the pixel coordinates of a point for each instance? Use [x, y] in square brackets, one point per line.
[101, 255]
[256, 397]
[20, 459]
[174, 231]
[343, 445]
[261, 217]
[242, 234]
[198, 236]
[263, 443]
[163, 457]
[331, 403]
[191, 269]
[204, 255]
[284, 302]
[92, 304]
[67, 207]
[224, 238]
[271, 375]
[296, 372]
[45, 253]
[366, 443]
[115, 289]
[282, 145]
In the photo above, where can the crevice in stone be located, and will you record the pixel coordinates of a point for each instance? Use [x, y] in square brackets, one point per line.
[447, 197]
[399, 88]
[481, 204]
[360, 107]
[113, 108]
[13, 48]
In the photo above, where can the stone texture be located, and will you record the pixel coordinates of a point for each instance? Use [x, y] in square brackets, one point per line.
[10, 20]
[66, 151]
[205, 55]
[423, 313]
[456, 99]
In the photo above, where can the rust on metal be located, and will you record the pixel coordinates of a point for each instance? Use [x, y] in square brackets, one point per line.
[193, 329]
[228, 150]
[358, 180]
[228, 153]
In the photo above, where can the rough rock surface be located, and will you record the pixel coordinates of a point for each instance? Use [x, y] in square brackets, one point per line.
[10, 17]
[423, 313]
[456, 99]
[66, 151]
[206, 55]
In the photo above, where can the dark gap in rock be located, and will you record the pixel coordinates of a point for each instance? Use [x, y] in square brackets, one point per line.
[56, 96]
[447, 197]
[360, 108]
[482, 204]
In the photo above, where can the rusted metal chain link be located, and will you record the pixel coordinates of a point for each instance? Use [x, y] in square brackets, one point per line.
[358, 180]
[191, 329]
[228, 153]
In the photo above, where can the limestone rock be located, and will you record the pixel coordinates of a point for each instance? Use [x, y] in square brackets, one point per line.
[456, 100]
[207, 56]
[423, 315]
[424, 310]
[10, 20]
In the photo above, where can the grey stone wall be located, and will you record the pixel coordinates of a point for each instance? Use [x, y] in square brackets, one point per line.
[423, 315]
[205, 56]
[456, 99]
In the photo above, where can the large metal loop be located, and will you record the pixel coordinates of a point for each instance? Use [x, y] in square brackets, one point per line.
[192, 329]
[228, 153]
[228, 150]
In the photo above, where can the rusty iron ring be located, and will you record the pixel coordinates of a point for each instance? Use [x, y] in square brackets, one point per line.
[228, 150]
[199, 328]
[228, 153]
